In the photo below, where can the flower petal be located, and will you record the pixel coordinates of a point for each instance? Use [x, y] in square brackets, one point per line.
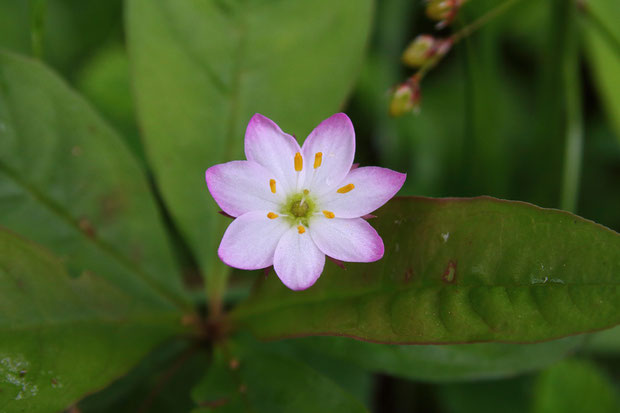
[334, 139]
[250, 241]
[297, 261]
[352, 240]
[372, 187]
[267, 145]
[242, 186]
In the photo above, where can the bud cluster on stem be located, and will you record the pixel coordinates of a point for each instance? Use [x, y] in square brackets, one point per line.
[426, 51]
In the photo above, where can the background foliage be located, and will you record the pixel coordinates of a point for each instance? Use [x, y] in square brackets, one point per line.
[112, 295]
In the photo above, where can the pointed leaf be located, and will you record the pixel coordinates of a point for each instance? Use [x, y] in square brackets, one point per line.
[67, 181]
[457, 271]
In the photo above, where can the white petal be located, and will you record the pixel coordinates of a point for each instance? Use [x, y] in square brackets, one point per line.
[373, 187]
[242, 186]
[297, 261]
[352, 240]
[250, 241]
[334, 138]
[267, 145]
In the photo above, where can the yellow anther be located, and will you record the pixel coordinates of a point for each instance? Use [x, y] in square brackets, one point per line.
[272, 215]
[328, 214]
[306, 192]
[345, 188]
[272, 185]
[299, 162]
[318, 158]
[301, 229]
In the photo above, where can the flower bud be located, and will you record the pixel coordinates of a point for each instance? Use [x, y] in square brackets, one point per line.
[443, 11]
[419, 51]
[405, 99]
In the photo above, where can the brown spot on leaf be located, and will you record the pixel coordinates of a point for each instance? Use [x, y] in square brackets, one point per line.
[234, 364]
[112, 204]
[409, 274]
[87, 227]
[76, 150]
[243, 388]
[449, 275]
[54, 381]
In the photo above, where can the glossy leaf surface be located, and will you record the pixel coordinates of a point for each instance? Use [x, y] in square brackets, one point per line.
[457, 271]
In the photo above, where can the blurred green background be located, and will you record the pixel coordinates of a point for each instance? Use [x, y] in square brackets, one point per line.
[493, 121]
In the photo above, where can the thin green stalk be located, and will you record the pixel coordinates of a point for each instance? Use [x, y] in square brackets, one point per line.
[464, 33]
[38, 12]
[573, 149]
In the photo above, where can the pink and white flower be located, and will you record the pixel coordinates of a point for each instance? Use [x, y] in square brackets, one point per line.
[293, 206]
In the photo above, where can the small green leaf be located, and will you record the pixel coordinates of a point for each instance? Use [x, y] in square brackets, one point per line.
[574, 386]
[438, 363]
[457, 271]
[61, 337]
[603, 52]
[248, 377]
[201, 69]
[68, 182]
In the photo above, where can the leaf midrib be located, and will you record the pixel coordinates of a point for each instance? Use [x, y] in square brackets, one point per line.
[241, 313]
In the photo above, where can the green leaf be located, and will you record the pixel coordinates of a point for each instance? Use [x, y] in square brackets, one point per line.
[201, 69]
[60, 337]
[603, 52]
[104, 81]
[457, 271]
[574, 386]
[437, 363]
[68, 182]
[249, 377]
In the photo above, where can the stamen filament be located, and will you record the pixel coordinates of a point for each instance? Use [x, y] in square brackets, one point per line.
[346, 188]
[272, 185]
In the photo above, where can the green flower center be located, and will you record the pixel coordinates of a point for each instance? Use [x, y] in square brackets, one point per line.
[299, 208]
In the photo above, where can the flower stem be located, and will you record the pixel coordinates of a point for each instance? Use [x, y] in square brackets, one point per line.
[573, 148]
[482, 20]
[38, 11]
[463, 33]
